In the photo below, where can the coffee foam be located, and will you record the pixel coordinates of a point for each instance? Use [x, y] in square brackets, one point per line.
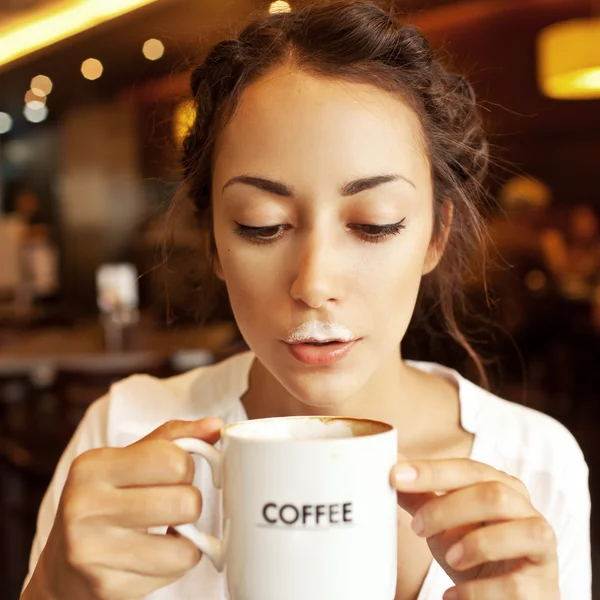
[313, 428]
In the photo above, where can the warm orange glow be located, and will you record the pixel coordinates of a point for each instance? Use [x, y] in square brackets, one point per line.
[569, 59]
[153, 49]
[34, 101]
[92, 68]
[42, 27]
[587, 79]
[185, 113]
[41, 85]
[279, 7]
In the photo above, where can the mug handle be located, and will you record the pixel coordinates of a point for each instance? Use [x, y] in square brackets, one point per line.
[208, 544]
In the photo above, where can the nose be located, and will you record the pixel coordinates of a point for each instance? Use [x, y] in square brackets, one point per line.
[316, 279]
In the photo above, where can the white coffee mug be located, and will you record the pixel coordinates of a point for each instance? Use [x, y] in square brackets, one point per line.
[308, 509]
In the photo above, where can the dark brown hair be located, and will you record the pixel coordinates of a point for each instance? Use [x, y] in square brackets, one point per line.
[358, 41]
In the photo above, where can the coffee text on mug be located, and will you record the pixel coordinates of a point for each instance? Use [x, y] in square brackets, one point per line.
[308, 514]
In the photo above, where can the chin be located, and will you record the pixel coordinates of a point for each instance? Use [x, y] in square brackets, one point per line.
[323, 389]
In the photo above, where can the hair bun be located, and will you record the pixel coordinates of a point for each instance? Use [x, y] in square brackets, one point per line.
[220, 67]
[412, 49]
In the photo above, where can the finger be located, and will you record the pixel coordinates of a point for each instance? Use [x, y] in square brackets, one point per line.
[531, 538]
[484, 502]
[158, 462]
[140, 508]
[121, 584]
[515, 586]
[208, 429]
[154, 460]
[446, 475]
[146, 554]
[411, 503]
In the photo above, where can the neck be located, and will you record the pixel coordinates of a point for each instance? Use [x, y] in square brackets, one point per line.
[412, 401]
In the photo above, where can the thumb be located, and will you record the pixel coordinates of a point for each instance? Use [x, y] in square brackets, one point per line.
[208, 430]
[411, 502]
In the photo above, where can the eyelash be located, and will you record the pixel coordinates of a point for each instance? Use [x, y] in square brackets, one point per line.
[373, 234]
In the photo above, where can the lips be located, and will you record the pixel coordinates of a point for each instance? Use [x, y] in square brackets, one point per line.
[316, 342]
[319, 353]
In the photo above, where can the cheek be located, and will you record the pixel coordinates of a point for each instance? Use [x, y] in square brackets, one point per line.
[242, 275]
[392, 286]
[251, 285]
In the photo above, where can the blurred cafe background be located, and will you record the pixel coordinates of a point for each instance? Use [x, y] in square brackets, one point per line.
[97, 276]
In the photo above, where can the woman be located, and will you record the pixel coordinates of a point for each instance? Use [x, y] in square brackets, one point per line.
[339, 168]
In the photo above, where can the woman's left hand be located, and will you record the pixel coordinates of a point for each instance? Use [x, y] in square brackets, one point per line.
[481, 528]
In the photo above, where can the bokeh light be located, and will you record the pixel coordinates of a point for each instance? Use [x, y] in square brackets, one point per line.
[41, 85]
[92, 68]
[183, 119]
[279, 7]
[153, 49]
[34, 101]
[536, 280]
[6, 123]
[35, 116]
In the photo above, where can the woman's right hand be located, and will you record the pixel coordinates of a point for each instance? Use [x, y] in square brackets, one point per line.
[99, 547]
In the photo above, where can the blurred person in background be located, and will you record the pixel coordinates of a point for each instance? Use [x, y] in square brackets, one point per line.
[38, 252]
[573, 260]
[518, 284]
[573, 256]
[515, 250]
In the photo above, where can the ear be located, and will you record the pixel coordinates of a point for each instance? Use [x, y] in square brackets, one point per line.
[211, 252]
[217, 267]
[438, 243]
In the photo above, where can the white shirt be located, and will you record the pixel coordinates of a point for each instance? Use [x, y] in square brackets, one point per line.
[513, 438]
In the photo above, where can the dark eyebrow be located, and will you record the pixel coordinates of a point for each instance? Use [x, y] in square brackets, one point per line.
[368, 183]
[273, 187]
[349, 189]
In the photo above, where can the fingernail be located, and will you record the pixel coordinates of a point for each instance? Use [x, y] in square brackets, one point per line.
[418, 525]
[404, 473]
[455, 554]
[451, 594]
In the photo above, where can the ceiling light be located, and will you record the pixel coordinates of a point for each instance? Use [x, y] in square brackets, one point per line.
[41, 85]
[569, 59]
[279, 7]
[34, 101]
[6, 123]
[153, 49]
[91, 68]
[35, 116]
[49, 24]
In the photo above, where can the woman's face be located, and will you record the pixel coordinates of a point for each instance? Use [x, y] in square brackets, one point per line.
[323, 218]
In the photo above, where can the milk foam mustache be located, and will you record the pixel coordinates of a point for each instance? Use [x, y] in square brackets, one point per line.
[319, 331]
